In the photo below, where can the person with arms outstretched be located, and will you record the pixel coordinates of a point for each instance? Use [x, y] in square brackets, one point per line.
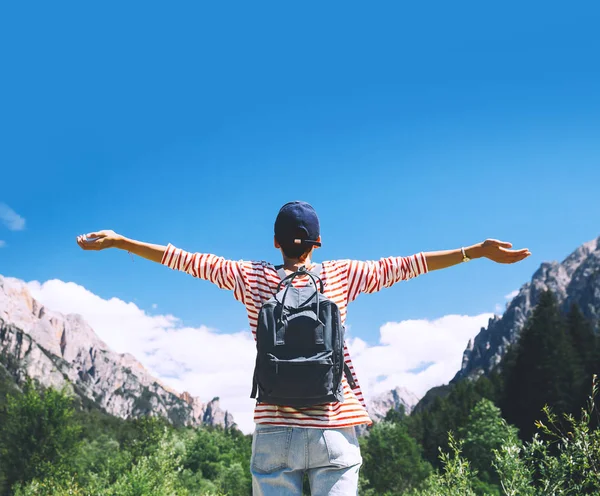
[318, 439]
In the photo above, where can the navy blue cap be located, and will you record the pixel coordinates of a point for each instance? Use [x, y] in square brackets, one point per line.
[297, 223]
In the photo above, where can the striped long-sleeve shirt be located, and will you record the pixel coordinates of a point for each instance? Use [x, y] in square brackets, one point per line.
[254, 283]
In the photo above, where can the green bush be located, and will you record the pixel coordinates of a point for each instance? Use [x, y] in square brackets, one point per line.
[38, 435]
[456, 477]
[567, 461]
[555, 462]
[485, 432]
[392, 459]
[45, 450]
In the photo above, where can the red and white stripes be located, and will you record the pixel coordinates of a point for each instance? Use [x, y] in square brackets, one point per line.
[253, 283]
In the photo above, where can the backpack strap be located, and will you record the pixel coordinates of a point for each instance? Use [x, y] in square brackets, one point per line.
[280, 272]
[313, 275]
[316, 270]
[349, 376]
[254, 392]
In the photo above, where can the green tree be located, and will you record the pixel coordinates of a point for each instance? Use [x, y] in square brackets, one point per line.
[392, 460]
[143, 435]
[47, 448]
[431, 426]
[38, 434]
[543, 369]
[585, 343]
[233, 480]
[100, 460]
[215, 454]
[515, 474]
[484, 432]
[456, 477]
[51, 486]
[565, 460]
[573, 465]
[156, 473]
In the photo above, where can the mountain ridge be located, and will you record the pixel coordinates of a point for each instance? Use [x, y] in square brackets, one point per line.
[63, 350]
[398, 399]
[575, 280]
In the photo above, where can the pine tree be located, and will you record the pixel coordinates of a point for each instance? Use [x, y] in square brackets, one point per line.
[584, 340]
[430, 427]
[542, 370]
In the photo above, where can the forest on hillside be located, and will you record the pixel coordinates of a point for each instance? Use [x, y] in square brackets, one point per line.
[529, 428]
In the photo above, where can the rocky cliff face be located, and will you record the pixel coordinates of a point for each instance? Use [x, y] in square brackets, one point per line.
[62, 350]
[575, 280]
[396, 399]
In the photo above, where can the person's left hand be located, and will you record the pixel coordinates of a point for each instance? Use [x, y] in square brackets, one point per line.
[99, 240]
[500, 252]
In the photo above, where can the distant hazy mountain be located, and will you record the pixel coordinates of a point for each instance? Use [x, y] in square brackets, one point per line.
[392, 400]
[59, 350]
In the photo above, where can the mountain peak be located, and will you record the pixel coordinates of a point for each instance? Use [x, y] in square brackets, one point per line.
[574, 280]
[63, 350]
[394, 399]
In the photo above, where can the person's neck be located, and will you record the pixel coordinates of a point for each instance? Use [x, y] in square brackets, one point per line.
[294, 264]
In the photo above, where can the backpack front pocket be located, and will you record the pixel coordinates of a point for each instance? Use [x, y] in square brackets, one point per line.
[303, 377]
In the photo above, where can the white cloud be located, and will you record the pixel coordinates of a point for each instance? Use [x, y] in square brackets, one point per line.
[512, 294]
[187, 359]
[415, 354]
[11, 219]
[2, 243]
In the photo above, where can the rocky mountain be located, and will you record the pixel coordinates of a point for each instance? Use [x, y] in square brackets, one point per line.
[575, 280]
[63, 350]
[392, 400]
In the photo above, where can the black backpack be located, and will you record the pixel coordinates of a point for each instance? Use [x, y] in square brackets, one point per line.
[300, 345]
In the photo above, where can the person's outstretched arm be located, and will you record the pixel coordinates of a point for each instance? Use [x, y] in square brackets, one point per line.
[497, 251]
[109, 239]
[372, 276]
[226, 274]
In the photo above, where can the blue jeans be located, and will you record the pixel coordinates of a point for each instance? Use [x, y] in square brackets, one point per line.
[281, 456]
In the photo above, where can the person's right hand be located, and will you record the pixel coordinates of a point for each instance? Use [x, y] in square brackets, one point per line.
[98, 240]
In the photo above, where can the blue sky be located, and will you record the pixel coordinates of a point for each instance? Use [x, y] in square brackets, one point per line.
[408, 128]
